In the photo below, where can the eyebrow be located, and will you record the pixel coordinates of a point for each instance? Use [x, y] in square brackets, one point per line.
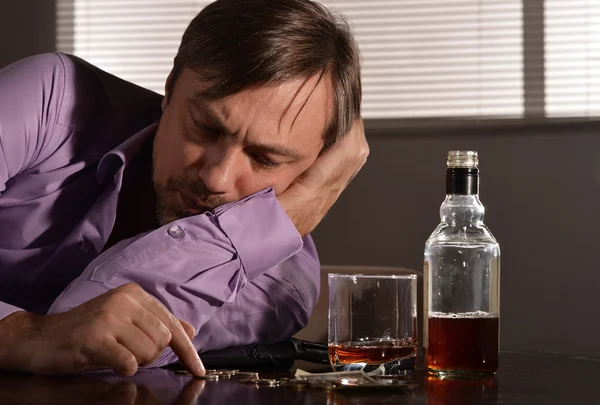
[199, 102]
[279, 150]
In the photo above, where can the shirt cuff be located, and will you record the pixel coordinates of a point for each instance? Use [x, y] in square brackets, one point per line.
[260, 230]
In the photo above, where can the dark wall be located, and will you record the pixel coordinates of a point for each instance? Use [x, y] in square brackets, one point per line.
[27, 27]
[541, 190]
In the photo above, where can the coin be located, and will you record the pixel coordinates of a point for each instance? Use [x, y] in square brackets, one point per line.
[213, 372]
[229, 372]
[246, 374]
[248, 380]
[284, 379]
[268, 382]
[209, 377]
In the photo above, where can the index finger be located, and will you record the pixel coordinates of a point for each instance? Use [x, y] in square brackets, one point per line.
[180, 342]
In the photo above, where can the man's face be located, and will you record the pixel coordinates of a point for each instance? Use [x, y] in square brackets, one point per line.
[208, 153]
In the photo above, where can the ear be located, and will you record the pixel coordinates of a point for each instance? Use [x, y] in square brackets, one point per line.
[167, 96]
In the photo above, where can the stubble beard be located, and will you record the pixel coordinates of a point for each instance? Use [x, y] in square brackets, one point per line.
[168, 206]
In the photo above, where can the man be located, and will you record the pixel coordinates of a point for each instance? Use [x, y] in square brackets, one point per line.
[135, 229]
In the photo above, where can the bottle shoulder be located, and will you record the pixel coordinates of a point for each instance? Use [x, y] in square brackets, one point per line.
[473, 234]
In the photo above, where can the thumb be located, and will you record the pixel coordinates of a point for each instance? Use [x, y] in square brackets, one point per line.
[189, 329]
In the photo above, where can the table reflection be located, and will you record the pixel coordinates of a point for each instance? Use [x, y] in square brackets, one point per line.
[148, 386]
[159, 386]
[461, 392]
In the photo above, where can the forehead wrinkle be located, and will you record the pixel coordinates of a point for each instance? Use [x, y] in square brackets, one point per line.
[294, 98]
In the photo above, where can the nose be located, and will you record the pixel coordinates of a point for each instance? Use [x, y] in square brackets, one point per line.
[219, 170]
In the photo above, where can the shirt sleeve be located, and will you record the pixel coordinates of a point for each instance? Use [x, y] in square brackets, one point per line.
[272, 307]
[31, 92]
[7, 309]
[196, 265]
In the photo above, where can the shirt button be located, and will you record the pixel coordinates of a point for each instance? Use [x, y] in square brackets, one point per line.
[176, 232]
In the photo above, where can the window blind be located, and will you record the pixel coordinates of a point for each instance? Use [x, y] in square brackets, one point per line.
[438, 58]
[133, 39]
[421, 58]
[572, 58]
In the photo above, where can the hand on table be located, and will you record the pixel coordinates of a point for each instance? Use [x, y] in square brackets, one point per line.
[120, 329]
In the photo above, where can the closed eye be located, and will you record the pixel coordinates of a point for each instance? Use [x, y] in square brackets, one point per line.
[212, 132]
[264, 162]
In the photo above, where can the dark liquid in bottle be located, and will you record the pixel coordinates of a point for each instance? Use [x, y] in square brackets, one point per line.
[463, 344]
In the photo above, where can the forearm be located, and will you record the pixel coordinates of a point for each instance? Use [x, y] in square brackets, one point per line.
[15, 328]
[11, 324]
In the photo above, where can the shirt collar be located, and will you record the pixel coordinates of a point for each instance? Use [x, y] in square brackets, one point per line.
[122, 155]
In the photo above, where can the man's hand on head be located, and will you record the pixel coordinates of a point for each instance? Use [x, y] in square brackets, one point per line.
[314, 192]
[120, 329]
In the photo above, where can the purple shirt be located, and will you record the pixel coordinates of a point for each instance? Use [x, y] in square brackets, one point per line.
[68, 131]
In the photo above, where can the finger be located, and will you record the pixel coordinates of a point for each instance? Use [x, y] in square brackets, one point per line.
[114, 355]
[153, 327]
[139, 344]
[189, 329]
[180, 342]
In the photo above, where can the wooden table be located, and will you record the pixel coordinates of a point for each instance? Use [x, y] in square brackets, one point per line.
[522, 379]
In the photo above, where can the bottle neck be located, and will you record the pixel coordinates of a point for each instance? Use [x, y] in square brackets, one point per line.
[462, 206]
[462, 180]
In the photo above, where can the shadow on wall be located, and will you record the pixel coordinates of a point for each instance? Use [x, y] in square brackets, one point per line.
[541, 190]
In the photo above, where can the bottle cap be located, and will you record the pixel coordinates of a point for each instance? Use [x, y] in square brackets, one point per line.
[461, 158]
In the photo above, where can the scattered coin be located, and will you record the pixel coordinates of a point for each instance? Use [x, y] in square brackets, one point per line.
[228, 372]
[284, 379]
[209, 377]
[268, 382]
[248, 380]
[213, 372]
[246, 374]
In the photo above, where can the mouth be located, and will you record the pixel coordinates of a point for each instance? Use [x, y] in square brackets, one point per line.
[191, 206]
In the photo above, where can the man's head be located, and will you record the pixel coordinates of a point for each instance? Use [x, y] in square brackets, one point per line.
[258, 90]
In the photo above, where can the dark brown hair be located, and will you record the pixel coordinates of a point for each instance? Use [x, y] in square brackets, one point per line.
[238, 44]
